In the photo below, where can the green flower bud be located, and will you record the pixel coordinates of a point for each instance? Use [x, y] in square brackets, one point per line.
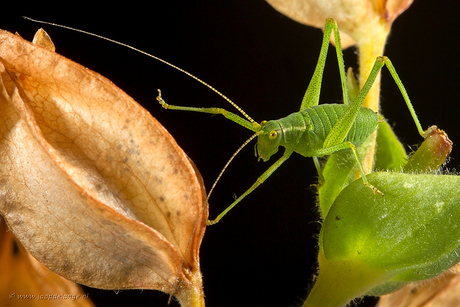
[431, 154]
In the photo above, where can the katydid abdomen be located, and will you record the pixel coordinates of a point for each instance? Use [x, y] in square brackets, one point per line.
[305, 132]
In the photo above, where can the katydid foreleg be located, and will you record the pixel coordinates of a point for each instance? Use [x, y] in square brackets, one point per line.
[249, 124]
[259, 181]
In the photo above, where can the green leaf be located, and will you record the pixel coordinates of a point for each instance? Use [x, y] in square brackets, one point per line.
[390, 154]
[376, 243]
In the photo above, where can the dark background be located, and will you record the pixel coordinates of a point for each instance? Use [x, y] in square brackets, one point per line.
[263, 252]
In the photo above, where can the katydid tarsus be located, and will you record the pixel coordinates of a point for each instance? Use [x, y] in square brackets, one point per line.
[316, 130]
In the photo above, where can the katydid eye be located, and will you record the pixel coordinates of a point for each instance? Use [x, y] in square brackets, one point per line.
[273, 134]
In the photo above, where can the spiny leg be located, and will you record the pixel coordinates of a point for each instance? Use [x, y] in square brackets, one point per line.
[343, 125]
[259, 181]
[361, 170]
[345, 145]
[379, 63]
[250, 125]
[335, 139]
[311, 97]
[403, 91]
[340, 129]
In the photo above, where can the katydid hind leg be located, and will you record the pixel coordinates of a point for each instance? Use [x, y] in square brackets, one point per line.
[403, 91]
[340, 129]
[335, 139]
[311, 97]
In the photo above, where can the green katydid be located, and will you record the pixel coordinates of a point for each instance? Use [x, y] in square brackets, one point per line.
[316, 130]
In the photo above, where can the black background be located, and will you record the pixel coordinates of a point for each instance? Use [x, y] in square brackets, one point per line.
[263, 252]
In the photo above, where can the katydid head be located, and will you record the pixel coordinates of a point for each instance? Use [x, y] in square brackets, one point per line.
[268, 139]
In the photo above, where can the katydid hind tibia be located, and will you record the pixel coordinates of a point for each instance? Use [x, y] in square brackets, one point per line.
[316, 130]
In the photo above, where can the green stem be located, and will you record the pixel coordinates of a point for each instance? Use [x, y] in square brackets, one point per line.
[339, 282]
[370, 46]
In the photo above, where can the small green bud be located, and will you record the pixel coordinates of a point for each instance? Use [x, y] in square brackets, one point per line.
[431, 154]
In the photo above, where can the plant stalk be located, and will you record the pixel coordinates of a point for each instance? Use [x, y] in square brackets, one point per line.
[340, 282]
[370, 46]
